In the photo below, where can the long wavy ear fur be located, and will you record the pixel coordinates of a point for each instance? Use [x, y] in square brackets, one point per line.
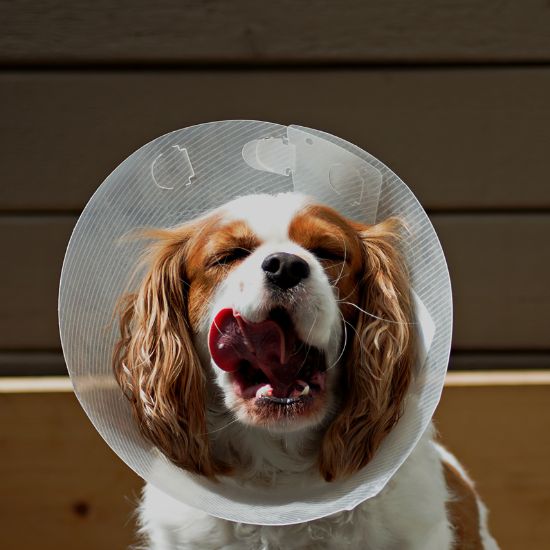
[379, 362]
[155, 362]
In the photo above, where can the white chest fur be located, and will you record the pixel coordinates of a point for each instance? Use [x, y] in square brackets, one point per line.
[409, 514]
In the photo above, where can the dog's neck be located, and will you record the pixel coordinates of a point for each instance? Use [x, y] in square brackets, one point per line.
[263, 457]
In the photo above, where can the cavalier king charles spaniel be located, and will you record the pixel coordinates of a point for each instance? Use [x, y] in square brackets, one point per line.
[274, 337]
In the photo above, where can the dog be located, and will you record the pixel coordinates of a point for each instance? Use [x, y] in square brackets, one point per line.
[273, 337]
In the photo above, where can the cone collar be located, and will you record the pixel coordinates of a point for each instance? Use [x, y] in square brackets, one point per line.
[181, 175]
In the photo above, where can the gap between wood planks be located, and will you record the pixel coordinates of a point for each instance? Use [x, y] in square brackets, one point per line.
[62, 384]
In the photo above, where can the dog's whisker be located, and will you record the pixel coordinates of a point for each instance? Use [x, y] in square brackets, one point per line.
[307, 339]
[244, 249]
[343, 345]
[363, 349]
[343, 261]
[339, 300]
[207, 300]
[221, 428]
[376, 316]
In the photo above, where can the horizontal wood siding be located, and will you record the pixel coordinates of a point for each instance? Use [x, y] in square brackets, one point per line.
[499, 264]
[48, 363]
[192, 31]
[499, 433]
[461, 138]
[59, 475]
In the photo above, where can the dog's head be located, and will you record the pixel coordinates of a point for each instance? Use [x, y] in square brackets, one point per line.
[288, 314]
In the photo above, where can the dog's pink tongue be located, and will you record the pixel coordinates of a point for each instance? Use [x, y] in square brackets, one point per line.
[232, 339]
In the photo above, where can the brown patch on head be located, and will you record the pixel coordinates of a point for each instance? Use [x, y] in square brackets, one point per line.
[462, 510]
[155, 362]
[336, 244]
[370, 273]
[212, 254]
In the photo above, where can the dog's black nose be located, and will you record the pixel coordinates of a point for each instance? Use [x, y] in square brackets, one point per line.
[285, 270]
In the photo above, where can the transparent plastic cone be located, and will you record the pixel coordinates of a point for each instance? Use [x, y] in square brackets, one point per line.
[183, 174]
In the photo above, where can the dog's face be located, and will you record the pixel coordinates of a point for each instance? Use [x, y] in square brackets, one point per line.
[298, 318]
[274, 327]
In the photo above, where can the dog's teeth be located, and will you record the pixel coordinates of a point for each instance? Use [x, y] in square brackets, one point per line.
[264, 391]
[305, 391]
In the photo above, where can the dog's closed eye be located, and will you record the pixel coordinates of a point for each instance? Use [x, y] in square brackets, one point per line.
[328, 254]
[227, 257]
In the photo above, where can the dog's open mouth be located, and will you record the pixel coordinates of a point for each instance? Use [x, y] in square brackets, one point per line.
[267, 360]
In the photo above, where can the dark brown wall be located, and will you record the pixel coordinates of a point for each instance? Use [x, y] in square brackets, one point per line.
[452, 95]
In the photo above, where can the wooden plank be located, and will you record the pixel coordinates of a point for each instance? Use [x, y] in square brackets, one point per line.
[35, 247]
[460, 138]
[500, 268]
[81, 496]
[58, 473]
[481, 378]
[498, 378]
[171, 31]
[35, 384]
[499, 360]
[500, 434]
[38, 363]
[51, 364]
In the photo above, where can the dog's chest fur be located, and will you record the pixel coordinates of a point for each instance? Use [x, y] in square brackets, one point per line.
[410, 513]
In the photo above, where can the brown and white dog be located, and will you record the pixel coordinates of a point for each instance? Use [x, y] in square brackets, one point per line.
[273, 337]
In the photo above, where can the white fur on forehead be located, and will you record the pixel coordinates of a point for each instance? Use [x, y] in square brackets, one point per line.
[268, 216]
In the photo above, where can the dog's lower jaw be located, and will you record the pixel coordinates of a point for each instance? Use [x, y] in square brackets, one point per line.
[247, 411]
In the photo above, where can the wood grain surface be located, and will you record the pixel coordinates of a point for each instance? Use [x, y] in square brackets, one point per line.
[62, 487]
[244, 31]
[460, 138]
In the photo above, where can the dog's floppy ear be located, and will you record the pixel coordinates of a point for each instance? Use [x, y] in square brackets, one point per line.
[379, 361]
[155, 362]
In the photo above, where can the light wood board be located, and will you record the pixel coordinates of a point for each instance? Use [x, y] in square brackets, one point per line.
[61, 479]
